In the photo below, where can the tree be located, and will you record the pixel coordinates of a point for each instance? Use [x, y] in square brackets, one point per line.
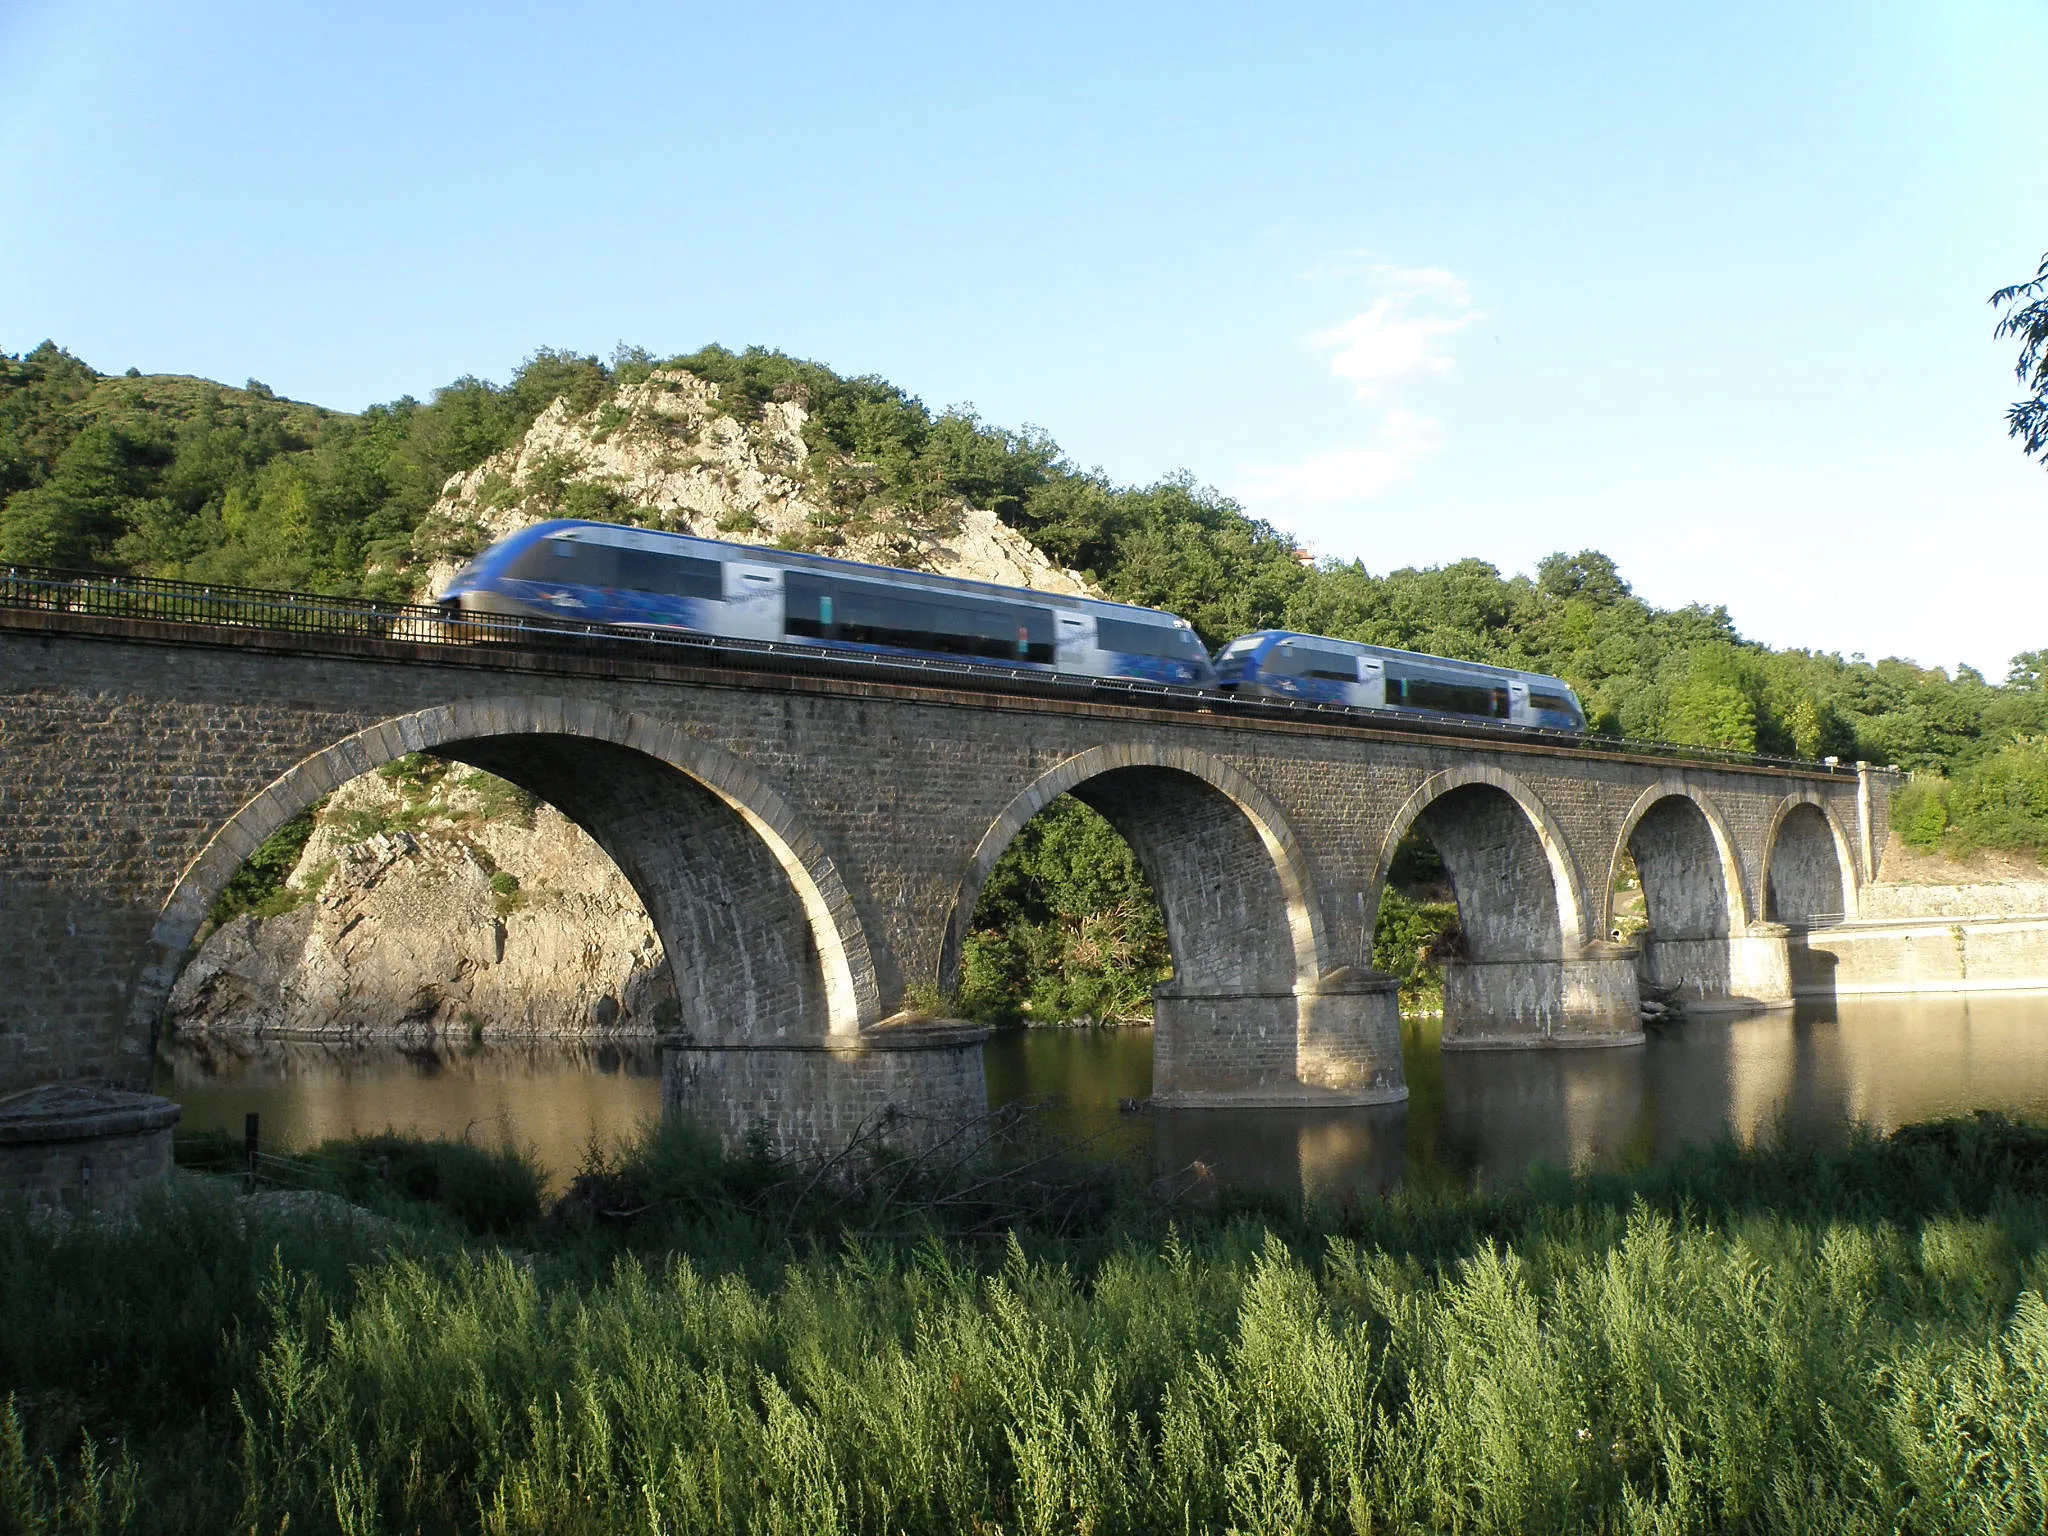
[2026, 317]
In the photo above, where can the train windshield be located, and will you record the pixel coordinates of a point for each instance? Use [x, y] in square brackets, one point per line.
[912, 619]
[582, 563]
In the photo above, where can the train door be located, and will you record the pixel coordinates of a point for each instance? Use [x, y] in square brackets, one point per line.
[1518, 702]
[1371, 692]
[1074, 643]
[753, 601]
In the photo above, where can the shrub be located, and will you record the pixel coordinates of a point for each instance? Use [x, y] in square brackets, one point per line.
[1920, 811]
[259, 885]
[2002, 802]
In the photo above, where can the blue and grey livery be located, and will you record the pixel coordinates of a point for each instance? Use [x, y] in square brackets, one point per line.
[1279, 664]
[601, 573]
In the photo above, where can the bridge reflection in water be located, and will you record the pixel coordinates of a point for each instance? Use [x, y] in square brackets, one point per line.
[1883, 1062]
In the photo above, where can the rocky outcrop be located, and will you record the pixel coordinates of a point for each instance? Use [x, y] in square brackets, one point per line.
[662, 454]
[439, 904]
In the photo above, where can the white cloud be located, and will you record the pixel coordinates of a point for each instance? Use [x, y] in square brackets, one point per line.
[1337, 476]
[1401, 334]
[1401, 337]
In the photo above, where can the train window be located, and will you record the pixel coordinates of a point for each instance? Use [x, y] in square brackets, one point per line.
[867, 613]
[1145, 639]
[1557, 704]
[646, 570]
[1460, 698]
[1296, 660]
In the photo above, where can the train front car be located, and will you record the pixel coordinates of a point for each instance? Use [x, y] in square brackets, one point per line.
[597, 573]
[601, 573]
[1113, 640]
[1552, 706]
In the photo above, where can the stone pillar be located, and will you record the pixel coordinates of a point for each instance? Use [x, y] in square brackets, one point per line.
[1590, 999]
[1336, 1043]
[1748, 970]
[904, 1085]
[1866, 849]
[82, 1146]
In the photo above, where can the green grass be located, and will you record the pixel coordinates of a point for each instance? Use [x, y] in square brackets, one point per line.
[1784, 1340]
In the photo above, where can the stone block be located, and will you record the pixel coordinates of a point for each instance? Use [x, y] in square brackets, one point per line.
[83, 1146]
[900, 1086]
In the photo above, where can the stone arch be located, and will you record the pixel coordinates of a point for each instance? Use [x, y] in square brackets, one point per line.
[1695, 870]
[1480, 811]
[1809, 867]
[761, 933]
[1233, 882]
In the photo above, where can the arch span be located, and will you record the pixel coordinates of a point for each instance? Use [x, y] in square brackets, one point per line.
[1496, 836]
[1702, 942]
[1809, 869]
[1528, 973]
[761, 933]
[1693, 882]
[1232, 881]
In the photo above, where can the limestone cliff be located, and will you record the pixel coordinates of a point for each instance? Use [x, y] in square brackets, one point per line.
[434, 901]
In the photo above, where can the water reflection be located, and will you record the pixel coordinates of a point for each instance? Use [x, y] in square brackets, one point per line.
[1472, 1115]
[551, 1097]
[1487, 1116]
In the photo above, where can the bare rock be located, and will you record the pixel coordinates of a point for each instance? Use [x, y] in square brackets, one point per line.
[458, 924]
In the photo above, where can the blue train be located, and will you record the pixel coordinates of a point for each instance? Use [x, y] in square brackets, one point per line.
[602, 573]
[1279, 664]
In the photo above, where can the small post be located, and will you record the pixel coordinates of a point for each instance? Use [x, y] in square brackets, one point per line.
[249, 1152]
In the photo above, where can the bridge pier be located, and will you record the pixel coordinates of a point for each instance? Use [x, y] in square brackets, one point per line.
[905, 1086]
[1729, 973]
[1588, 1000]
[1336, 1043]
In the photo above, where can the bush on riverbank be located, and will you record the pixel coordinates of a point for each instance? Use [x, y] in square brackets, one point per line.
[1786, 1340]
[2000, 801]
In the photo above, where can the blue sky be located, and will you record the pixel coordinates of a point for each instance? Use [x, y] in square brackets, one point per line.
[1700, 287]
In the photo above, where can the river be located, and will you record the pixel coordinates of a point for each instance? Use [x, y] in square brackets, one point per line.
[1815, 1072]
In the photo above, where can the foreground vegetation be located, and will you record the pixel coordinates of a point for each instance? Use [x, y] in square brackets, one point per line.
[1786, 1340]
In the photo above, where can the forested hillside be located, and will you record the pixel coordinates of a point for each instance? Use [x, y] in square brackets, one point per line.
[174, 476]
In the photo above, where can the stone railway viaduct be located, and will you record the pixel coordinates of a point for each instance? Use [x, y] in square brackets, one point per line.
[810, 849]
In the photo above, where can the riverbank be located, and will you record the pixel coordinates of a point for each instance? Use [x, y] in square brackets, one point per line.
[1783, 1339]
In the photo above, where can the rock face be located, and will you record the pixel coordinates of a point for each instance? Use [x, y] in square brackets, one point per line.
[441, 904]
[661, 454]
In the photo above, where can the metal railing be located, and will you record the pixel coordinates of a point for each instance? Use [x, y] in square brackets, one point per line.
[216, 606]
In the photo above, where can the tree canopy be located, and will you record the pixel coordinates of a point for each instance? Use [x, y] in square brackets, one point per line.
[2026, 319]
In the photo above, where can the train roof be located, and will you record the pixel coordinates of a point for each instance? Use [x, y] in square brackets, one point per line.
[1361, 647]
[628, 537]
